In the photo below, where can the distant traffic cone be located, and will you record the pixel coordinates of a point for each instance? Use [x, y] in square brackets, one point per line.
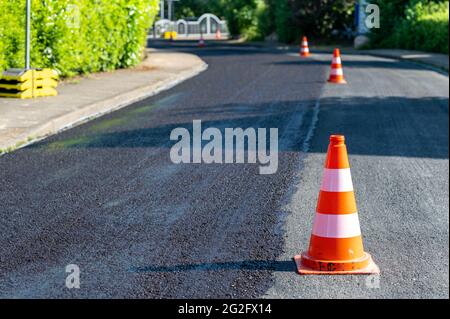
[304, 48]
[201, 42]
[218, 34]
[337, 72]
[336, 246]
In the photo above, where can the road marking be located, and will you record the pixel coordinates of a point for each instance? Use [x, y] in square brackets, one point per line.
[312, 126]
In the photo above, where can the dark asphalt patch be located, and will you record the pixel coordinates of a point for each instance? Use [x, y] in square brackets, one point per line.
[106, 197]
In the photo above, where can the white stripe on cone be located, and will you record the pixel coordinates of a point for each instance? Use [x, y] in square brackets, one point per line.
[337, 180]
[336, 226]
[337, 61]
[337, 72]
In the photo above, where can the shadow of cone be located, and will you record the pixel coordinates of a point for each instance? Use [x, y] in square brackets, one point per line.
[336, 246]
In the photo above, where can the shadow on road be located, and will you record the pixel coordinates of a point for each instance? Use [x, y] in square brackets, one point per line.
[220, 48]
[212, 49]
[278, 266]
[391, 126]
[357, 64]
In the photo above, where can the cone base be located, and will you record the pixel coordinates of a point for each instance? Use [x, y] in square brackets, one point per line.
[305, 55]
[338, 82]
[369, 268]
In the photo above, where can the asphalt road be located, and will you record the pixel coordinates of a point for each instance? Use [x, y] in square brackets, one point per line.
[107, 197]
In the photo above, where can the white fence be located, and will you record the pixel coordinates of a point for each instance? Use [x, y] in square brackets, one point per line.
[207, 25]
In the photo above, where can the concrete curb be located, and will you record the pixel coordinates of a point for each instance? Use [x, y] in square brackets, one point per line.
[98, 109]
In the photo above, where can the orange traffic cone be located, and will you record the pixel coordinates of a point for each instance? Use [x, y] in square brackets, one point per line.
[218, 34]
[336, 246]
[201, 43]
[337, 72]
[304, 48]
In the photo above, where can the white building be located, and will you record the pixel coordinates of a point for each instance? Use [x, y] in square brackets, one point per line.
[207, 25]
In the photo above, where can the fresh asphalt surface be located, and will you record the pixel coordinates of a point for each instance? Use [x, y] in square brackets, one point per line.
[106, 196]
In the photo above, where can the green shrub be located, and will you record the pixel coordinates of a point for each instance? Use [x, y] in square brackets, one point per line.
[256, 31]
[76, 36]
[240, 14]
[284, 21]
[420, 25]
[291, 19]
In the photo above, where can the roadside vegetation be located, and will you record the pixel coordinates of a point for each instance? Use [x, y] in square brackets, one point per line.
[413, 24]
[288, 19]
[408, 24]
[83, 36]
[76, 36]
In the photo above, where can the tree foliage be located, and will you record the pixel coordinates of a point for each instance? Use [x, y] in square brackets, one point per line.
[240, 14]
[413, 24]
[320, 18]
[410, 24]
[288, 18]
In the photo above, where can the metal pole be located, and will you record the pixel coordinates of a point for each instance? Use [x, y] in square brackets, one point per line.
[28, 36]
[170, 11]
[163, 16]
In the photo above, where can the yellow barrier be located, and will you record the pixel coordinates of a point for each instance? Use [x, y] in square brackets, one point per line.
[170, 35]
[24, 84]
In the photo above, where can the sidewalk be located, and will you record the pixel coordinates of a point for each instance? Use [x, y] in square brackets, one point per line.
[25, 121]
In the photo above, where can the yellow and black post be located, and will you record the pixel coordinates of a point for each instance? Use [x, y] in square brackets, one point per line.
[28, 82]
[25, 84]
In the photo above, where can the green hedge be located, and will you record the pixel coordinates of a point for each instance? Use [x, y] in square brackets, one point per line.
[76, 36]
[420, 25]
